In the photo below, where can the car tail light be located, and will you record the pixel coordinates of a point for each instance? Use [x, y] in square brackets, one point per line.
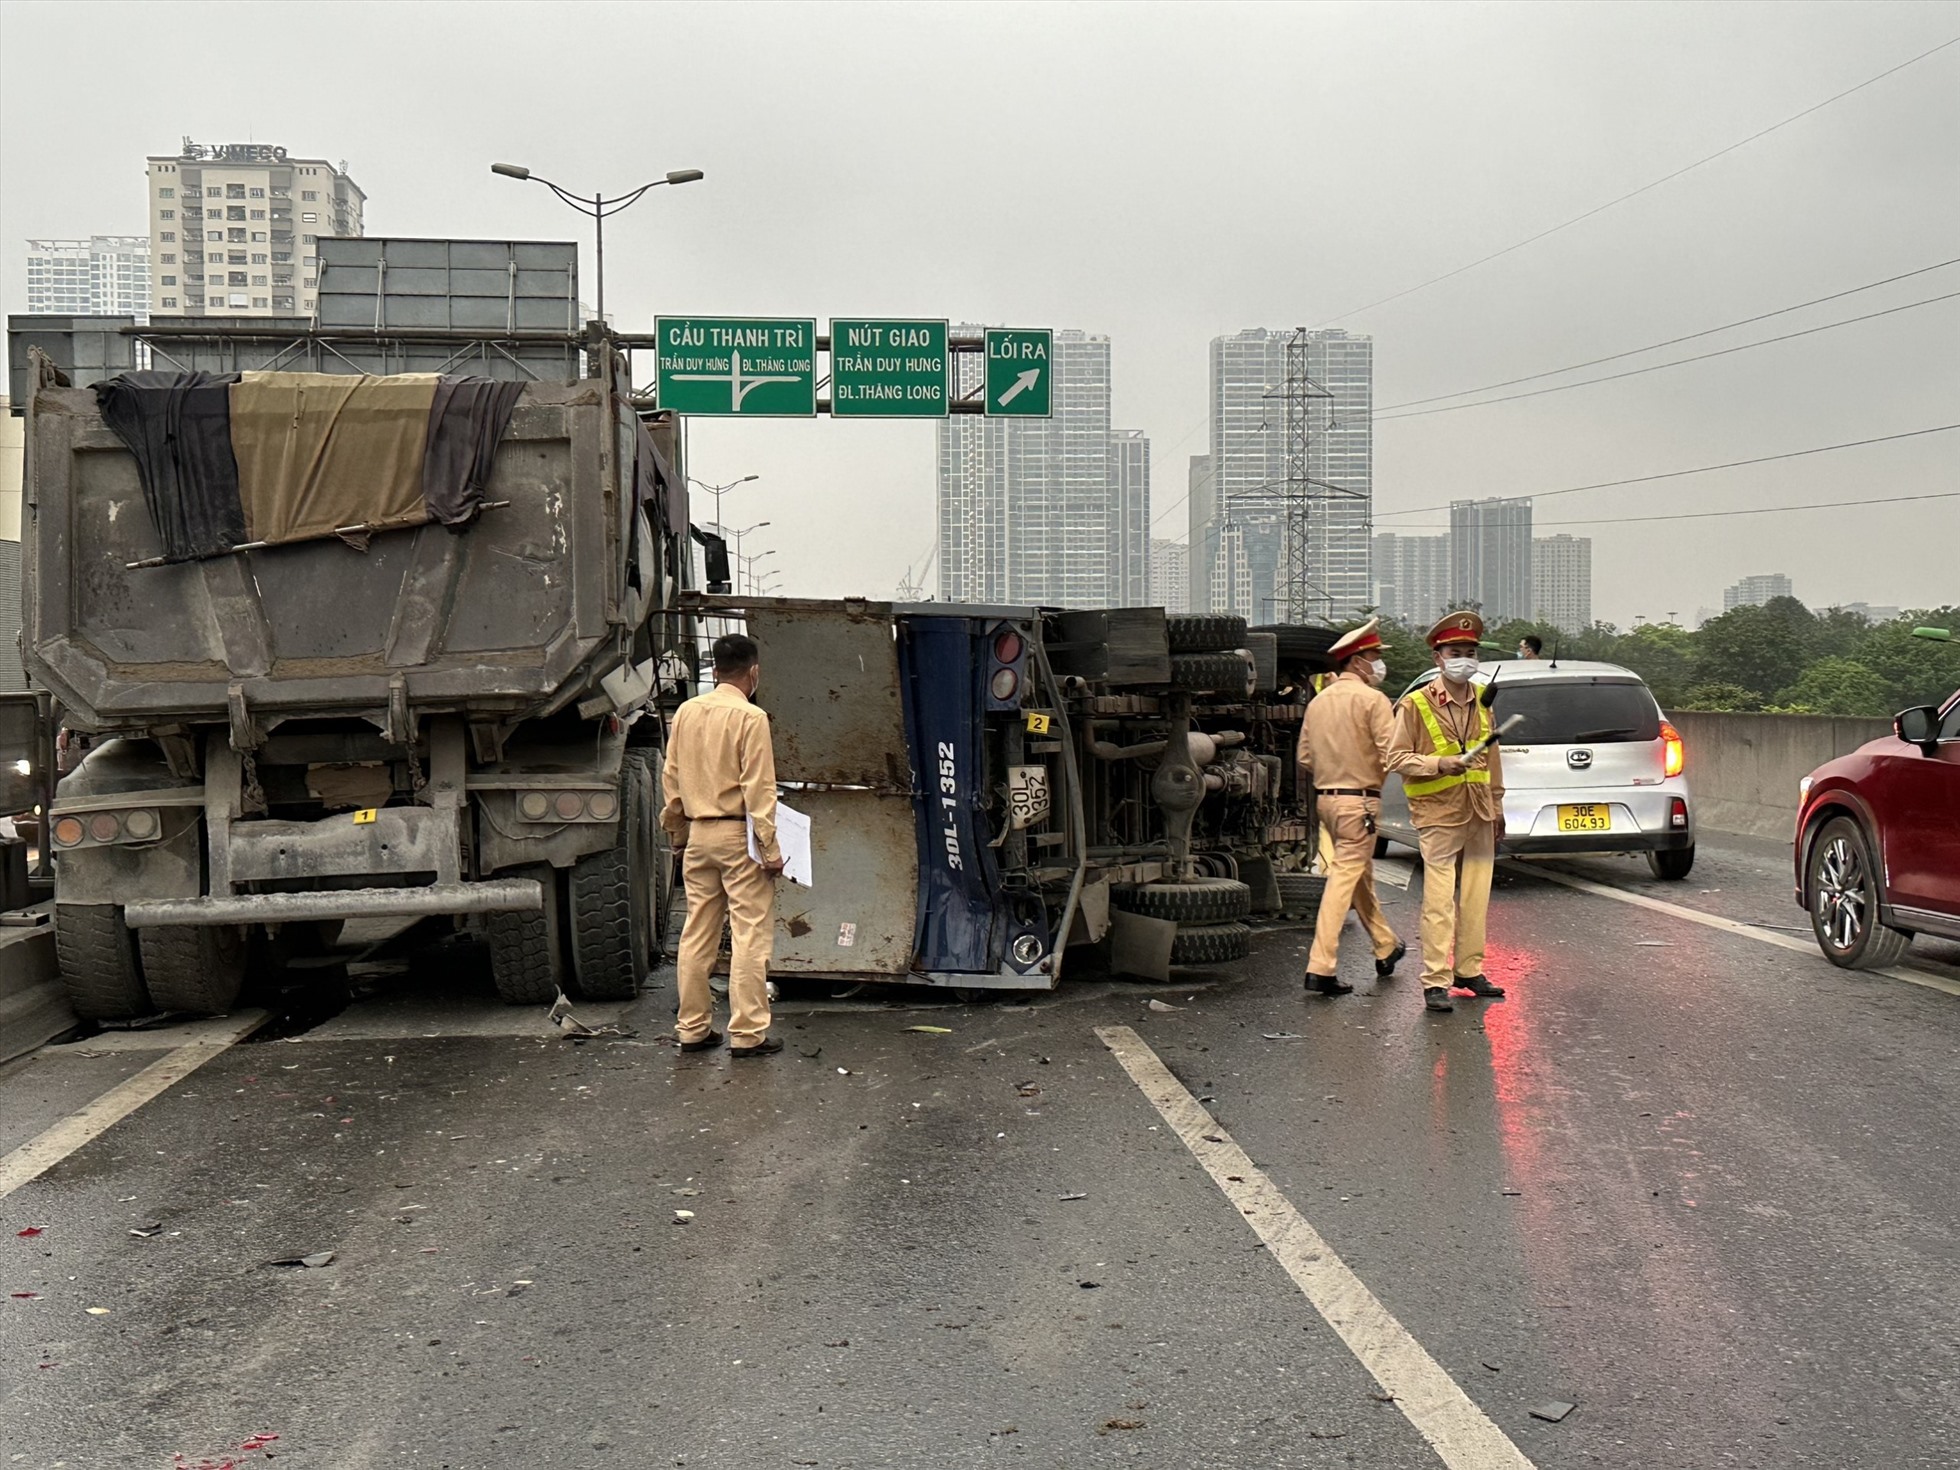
[68, 831]
[105, 826]
[1677, 752]
[1677, 815]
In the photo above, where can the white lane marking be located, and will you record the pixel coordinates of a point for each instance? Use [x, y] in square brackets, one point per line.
[1728, 926]
[39, 1154]
[1462, 1435]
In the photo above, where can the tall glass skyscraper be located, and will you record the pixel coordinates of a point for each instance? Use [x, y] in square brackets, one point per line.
[1053, 511]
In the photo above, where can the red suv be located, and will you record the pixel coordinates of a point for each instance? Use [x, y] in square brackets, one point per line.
[1878, 841]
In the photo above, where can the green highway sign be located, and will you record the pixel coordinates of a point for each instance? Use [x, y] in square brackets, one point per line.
[756, 367]
[888, 369]
[1019, 380]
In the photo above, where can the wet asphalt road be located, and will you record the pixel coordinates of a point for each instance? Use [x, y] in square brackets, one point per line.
[1699, 1186]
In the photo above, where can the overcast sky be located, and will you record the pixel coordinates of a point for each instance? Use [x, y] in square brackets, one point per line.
[1164, 174]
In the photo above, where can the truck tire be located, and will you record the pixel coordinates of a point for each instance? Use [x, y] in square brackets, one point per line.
[1841, 882]
[1210, 944]
[1204, 632]
[1201, 901]
[527, 947]
[613, 897]
[197, 969]
[1299, 893]
[1212, 673]
[96, 951]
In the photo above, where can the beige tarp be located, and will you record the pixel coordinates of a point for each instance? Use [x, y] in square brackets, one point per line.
[318, 452]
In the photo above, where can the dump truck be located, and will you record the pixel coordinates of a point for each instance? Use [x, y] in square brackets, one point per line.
[400, 717]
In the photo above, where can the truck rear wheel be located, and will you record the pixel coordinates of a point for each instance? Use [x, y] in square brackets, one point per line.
[527, 947]
[194, 968]
[1204, 632]
[1210, 944]
[96, 951]
[1201, 901]
[613, 896]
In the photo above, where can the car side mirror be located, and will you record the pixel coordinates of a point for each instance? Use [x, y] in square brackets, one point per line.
[1918, 726]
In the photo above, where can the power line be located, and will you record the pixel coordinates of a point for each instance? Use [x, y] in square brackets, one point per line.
[1759, 510]
[1698, 469]
[1670, 342]
[1644, 188]
[1656, 367]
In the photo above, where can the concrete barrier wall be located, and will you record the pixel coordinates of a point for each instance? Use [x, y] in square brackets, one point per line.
[1743, 770]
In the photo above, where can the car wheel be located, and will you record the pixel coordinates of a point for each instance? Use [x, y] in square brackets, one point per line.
[1842, 882]
[1672, 867]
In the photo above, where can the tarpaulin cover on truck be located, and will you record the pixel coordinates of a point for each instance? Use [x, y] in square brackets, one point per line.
[283, 457]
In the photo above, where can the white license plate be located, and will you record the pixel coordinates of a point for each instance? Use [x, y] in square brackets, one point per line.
[1588, 816]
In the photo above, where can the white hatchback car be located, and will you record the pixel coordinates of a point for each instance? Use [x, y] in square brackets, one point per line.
[1592, 766]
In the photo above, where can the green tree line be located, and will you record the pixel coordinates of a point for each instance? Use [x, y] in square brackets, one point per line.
[1779, 658]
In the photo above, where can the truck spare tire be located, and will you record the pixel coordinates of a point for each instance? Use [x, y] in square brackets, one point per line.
[1204, 632]
[1212, 673]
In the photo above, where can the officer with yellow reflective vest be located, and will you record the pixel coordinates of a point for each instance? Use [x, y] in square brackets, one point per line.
[1456, 800]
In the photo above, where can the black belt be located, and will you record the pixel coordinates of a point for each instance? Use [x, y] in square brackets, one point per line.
[719, 817]
[1345, 791]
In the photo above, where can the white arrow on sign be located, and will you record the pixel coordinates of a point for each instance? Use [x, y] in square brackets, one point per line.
[1019, 386]
[739, 387]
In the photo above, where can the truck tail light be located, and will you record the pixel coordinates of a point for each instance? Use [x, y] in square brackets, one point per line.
[1005, 684]
[140, 826]
[1677, 815]
[568, 805]
[1007, 657]
[68, 831]
[105, 826]
[534, 806]
[1677, 752]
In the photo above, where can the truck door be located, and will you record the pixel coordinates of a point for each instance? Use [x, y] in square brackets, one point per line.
[830, 683]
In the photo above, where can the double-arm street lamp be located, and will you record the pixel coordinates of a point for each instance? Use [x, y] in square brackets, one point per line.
[598, 207]
[720, 490]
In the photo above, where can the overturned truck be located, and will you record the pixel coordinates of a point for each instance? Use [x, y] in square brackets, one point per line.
[991, 786]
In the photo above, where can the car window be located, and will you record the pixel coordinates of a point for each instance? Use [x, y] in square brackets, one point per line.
[1950, 726]
[1579, 712]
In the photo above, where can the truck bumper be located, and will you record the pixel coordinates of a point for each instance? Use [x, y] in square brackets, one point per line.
[498, 895]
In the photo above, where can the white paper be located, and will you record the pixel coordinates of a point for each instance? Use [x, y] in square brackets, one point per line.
[792, 840]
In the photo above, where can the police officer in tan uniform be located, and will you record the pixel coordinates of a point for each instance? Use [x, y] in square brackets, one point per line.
[1343, 752]
[1456, 800]
[721, 768]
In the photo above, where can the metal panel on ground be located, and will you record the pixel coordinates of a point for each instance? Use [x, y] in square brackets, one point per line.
[858, 918]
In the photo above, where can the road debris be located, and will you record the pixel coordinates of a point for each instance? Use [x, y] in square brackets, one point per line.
[561, 1016]
[31, 1231]
[1154, 1004]
[96, 1311]
[1553, 1411]
[932, 1030]
[1114, 1424]
[1495, 1368]
[1073, 1195]
[1282, 1036]
[681, 1217]
[314, 1261]
[145, 1231]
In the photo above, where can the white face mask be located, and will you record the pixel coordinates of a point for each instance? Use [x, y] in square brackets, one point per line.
[1459, 670]
[1377, 670]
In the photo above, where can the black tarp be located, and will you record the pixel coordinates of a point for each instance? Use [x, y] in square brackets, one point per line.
[466, 422]
[178, 426]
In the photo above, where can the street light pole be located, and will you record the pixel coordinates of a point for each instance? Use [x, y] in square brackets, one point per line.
[743, 532]
[748, 566]
[598, 207]
[718, 491]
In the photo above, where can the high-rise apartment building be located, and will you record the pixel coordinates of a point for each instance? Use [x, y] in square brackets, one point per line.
[1490, 557]
[1561, 581]
[1755, 591]
[1170, 576]
[1129, 517]
[1053, 511]
[1200, 504]
[104, 275]
[235, 228]
[1247, 473]
[1412, 577]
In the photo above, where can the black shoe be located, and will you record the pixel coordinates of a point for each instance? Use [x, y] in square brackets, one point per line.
[1436, 998]
[707, 1043]
[1478, 986]
[1327, 985]
[760, 1049]
[1386, 967]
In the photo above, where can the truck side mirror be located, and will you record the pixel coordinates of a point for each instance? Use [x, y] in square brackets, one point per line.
[1918, 726]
